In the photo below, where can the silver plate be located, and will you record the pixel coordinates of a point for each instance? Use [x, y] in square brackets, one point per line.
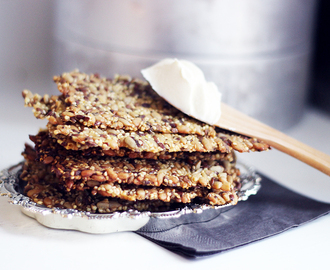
[11, 186]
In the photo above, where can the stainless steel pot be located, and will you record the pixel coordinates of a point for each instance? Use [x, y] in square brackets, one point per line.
[256, 51]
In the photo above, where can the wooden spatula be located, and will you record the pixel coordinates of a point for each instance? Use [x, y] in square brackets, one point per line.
[236, 121]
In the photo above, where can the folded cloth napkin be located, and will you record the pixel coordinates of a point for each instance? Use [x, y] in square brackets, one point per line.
[273, 210]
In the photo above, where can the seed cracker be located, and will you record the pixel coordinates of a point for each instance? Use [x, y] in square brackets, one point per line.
[119, 103]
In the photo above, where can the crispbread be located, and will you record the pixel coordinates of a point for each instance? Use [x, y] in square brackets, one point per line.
[78, 172]
[48, 148]
[52, 195]
[77, 137]
[119, 103]
[128, 192]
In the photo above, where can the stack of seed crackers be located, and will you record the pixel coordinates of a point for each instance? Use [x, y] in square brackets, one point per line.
[115, 145]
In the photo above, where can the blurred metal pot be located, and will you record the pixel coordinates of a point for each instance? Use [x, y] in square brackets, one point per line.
[256, 51]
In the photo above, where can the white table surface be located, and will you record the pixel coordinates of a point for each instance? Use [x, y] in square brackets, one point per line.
[25, 244]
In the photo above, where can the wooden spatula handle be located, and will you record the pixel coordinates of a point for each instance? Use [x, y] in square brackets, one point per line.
[236, 121]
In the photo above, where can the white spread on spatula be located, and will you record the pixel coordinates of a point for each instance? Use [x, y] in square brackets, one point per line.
[183, 85]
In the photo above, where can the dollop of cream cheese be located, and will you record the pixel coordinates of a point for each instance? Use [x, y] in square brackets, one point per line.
[183, 85]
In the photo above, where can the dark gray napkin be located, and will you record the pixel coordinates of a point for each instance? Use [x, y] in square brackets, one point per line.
[273, 210]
